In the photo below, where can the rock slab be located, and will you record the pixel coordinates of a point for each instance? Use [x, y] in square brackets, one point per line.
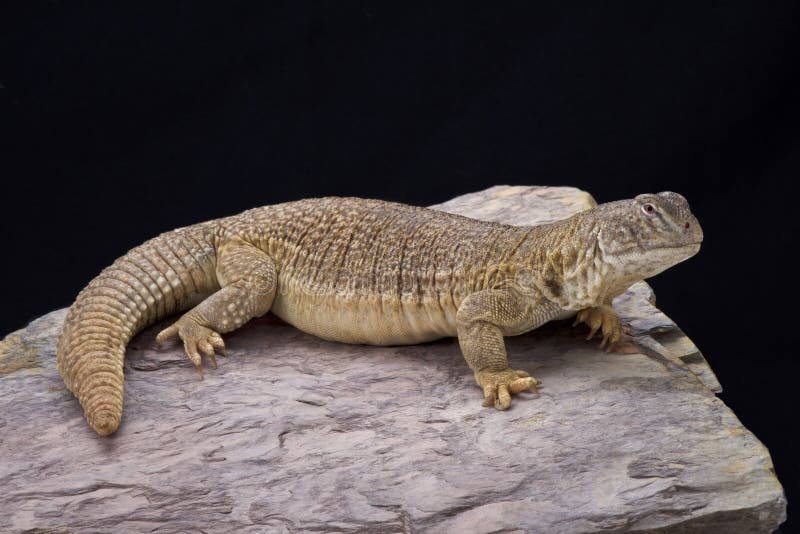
[295, 434]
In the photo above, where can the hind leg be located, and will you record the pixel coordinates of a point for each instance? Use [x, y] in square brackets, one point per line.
[248, 278]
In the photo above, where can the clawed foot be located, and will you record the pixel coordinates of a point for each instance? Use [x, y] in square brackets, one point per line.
[602, 318]
[196, 339]
[498, 386]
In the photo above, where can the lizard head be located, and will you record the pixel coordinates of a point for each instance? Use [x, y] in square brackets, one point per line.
[648, 234]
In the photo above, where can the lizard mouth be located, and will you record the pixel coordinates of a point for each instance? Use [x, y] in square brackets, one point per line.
[680, 253]
[693, 246]
[685, 245]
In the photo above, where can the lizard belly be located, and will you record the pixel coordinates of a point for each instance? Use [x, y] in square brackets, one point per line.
[371, 319]
[564, 314]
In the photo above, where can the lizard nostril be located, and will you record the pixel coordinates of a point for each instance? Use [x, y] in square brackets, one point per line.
[686, 225]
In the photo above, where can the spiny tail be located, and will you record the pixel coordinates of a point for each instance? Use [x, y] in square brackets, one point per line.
[165, 275]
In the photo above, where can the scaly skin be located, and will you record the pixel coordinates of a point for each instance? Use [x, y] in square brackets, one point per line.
[374, 272]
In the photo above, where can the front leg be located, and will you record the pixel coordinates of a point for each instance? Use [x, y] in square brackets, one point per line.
[483, 319]
[248, 278]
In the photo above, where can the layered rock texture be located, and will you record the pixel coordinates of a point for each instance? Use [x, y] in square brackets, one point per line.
[295, 434]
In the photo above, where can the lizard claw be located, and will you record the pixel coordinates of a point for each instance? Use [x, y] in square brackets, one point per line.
[197, 339]
[525, 374]
[498, 386]
[612, 338]
[602, 318]
[216, 341]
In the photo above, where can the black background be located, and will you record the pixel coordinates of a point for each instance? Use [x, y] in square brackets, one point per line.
[123, 122]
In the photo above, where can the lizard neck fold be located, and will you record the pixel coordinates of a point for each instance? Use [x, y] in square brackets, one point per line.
[565, 261]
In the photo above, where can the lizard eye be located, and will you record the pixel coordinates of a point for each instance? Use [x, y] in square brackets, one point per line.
[648, 209]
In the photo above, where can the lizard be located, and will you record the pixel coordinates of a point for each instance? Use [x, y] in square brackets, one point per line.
[373, 272]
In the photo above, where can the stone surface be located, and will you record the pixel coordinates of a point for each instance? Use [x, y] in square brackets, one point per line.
[295, 434]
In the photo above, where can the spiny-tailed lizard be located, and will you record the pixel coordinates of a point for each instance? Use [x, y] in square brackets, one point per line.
[374, 272]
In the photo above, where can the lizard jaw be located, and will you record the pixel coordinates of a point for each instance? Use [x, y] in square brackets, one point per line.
[646, 263]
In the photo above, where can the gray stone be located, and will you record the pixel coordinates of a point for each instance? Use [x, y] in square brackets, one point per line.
[295, 434]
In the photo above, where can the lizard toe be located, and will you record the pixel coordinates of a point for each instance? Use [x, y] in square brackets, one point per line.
[503, 401]
[170, 331]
